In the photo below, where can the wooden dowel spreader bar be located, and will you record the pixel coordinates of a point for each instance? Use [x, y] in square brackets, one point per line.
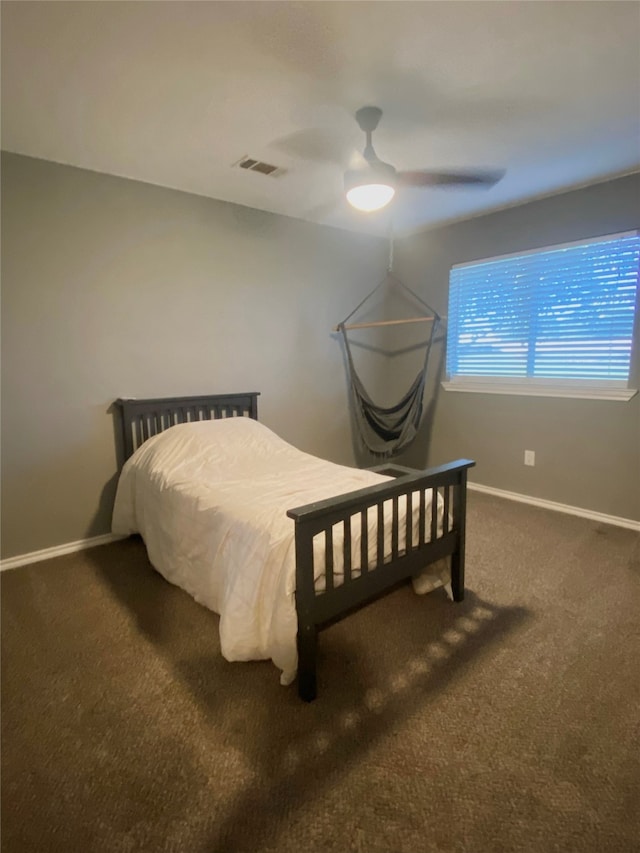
[385, 323]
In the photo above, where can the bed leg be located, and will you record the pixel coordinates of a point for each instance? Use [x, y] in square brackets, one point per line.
[307, 645]
[457, 558]
[457, 575]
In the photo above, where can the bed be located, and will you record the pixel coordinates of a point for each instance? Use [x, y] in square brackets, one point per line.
[278, 542]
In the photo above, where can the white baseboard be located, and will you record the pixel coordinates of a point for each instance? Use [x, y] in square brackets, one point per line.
[557, 507]
[57, 551]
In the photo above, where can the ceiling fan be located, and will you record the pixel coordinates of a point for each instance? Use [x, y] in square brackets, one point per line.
[373, 186]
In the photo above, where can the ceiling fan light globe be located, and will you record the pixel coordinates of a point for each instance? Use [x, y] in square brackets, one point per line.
[372, 187]
[370, 197]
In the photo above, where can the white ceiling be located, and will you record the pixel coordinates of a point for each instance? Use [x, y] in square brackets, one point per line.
[175, 93]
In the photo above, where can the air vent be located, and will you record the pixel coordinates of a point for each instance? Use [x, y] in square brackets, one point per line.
[252, 165]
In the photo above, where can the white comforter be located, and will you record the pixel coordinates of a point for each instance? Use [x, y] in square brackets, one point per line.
[210, 501]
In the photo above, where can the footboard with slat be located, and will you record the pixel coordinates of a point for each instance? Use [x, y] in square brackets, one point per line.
[396, 522]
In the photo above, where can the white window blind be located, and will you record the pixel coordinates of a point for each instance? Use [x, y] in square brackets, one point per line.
[560, 317]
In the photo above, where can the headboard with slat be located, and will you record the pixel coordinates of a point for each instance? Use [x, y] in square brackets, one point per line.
[142, 419]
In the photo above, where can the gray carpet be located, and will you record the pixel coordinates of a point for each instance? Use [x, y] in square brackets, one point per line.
[509, 722]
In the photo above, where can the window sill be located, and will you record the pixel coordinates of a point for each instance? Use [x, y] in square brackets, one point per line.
[524, 389]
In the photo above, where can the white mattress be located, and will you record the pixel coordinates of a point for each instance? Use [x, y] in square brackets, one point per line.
[210, 501]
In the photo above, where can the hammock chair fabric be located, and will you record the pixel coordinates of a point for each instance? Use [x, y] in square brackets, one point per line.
[385, 431]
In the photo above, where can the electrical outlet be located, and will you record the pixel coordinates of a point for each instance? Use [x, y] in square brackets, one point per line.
[529, 457]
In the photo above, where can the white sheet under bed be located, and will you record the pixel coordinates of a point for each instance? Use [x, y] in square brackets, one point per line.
[210, 500]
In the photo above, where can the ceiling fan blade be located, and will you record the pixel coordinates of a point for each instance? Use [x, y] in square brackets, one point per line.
[482, 179]
[311, 144]
[315, 145]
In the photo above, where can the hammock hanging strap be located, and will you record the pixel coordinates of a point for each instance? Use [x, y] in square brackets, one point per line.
[385, 431]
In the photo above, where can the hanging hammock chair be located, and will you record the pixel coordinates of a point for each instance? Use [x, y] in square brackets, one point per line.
[385, 431]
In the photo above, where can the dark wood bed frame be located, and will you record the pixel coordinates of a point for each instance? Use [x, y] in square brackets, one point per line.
[142, 419]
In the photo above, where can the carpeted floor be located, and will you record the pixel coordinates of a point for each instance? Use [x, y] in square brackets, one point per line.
[509, 722]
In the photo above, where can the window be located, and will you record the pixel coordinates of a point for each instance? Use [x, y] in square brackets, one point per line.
[557, 321]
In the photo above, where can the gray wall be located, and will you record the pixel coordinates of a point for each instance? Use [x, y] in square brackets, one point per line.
[587, 451]
[115, 288]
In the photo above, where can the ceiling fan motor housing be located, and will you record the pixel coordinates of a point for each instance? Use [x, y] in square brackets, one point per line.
[373, 172]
